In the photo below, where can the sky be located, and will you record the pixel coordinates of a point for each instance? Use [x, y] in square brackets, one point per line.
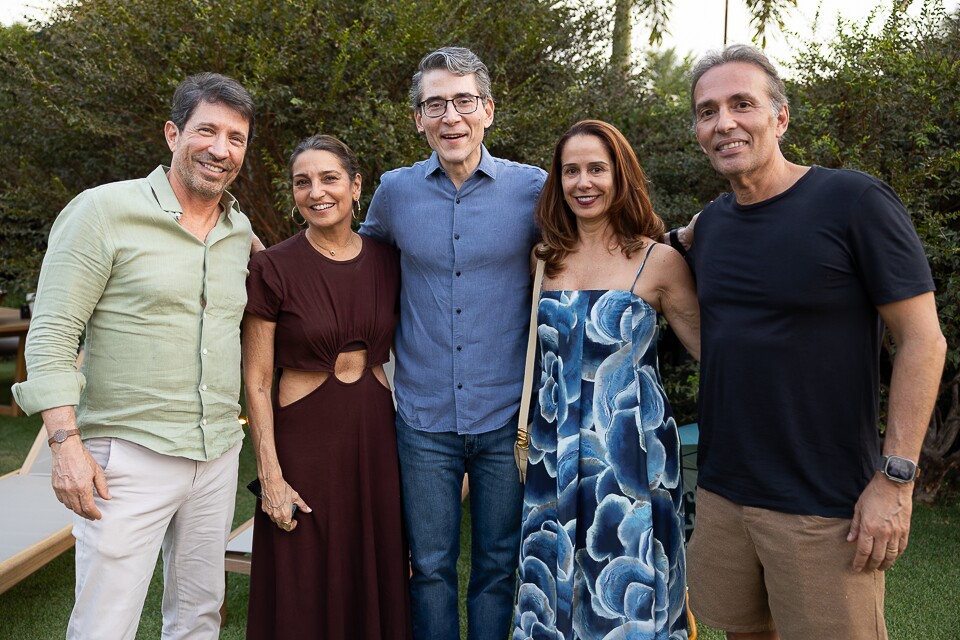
[695, 25]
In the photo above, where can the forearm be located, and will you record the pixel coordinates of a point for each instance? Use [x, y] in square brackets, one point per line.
[260, 414]
[258, 367]
[59, 418]
[913, 391]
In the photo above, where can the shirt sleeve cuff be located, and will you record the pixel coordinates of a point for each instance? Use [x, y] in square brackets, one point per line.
[57, 390]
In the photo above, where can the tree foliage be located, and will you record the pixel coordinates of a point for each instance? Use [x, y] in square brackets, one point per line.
[888, 103]
[83, 99]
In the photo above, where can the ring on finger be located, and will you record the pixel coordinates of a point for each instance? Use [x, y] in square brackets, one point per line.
[892, 551]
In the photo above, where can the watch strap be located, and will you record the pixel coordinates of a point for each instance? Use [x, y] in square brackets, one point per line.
[60, 435]
[674, 237]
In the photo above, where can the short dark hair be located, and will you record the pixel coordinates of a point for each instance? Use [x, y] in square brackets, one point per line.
[337, 147]
[740, 53]
[458, 61]
[213, 88]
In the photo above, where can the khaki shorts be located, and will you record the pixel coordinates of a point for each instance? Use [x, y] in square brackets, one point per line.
[751, 570]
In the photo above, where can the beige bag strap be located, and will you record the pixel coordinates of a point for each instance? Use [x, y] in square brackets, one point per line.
[531, 354]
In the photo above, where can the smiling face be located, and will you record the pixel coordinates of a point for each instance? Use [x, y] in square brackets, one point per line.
[735, 124]
[454, 136]
[323, 190]
[587, 177]
[208, 152]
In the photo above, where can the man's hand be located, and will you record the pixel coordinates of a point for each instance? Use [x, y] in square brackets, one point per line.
[74, 476]
[685, 234]
[256, 245]
[881, 524]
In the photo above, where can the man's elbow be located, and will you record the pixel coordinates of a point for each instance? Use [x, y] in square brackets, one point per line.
[932, 347]
[940, 348]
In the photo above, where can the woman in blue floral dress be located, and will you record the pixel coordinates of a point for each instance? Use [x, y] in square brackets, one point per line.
[602, 552]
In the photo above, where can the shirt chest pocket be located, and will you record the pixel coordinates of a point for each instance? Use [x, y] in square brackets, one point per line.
[225, 275]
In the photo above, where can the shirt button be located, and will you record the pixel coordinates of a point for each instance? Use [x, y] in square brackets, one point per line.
[458, 311]
[204, 422]
[456, 236]
[204, 352]
[459, 348]
[458, 200]
[458, 274]
[203, 387]
[459, 386]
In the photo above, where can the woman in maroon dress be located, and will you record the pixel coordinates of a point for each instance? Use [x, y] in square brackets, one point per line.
[321, 312]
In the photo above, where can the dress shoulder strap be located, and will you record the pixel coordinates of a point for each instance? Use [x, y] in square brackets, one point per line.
[642, 265]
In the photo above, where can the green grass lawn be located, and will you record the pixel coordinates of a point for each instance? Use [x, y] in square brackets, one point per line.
[923, 588]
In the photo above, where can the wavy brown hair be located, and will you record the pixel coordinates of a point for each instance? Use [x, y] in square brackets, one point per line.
[630, 213]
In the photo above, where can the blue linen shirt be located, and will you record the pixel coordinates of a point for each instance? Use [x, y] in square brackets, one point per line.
[465, 289]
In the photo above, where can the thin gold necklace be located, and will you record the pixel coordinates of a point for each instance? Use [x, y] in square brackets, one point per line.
[331, 251]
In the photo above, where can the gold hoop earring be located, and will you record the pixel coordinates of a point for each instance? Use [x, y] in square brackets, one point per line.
[293, 216]
[356, 214]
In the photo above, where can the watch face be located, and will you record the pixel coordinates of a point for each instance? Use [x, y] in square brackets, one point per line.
[59, 435]
[900, 468]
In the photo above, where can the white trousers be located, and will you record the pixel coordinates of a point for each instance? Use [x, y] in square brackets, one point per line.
[181, 506]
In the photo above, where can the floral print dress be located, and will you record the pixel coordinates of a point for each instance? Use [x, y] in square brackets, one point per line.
[601, 553]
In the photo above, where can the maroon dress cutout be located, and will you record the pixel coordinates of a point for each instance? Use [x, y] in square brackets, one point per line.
[343, 572]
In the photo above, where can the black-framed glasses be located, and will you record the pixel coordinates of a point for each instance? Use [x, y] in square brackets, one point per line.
[436, 107]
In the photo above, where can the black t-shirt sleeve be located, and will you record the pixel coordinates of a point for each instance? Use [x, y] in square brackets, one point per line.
[888, 254]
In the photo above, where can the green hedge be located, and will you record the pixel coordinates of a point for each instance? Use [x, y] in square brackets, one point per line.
[83, 99]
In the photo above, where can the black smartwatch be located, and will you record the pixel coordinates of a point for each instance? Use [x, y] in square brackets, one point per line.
[674, 237]
[897, 469]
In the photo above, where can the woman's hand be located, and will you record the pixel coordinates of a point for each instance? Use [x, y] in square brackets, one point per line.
[277, 501]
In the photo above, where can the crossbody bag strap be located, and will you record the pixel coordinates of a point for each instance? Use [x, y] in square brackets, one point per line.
[531, 354]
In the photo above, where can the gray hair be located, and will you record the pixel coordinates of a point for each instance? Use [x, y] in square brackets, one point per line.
[458, 61]
[346, 156]
[215, 89]
[740, 53]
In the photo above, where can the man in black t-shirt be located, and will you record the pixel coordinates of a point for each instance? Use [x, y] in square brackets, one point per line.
[798, 270]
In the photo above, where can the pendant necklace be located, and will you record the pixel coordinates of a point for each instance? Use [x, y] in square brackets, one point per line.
[332, 252]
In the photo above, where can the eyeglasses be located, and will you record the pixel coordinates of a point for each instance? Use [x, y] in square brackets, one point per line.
[436, 107]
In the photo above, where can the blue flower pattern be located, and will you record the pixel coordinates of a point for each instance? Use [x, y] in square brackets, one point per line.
[602, 554]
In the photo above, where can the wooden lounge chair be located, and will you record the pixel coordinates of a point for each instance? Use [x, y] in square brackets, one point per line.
[237, 557]
[35, 527]
[239, 547]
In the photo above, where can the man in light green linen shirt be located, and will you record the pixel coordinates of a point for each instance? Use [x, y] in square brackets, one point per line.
[154, 269]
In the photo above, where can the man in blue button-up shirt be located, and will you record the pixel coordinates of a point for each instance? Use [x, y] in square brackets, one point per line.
[463, 221]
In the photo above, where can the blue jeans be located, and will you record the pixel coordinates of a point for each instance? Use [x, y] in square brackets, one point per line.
[431, 473]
